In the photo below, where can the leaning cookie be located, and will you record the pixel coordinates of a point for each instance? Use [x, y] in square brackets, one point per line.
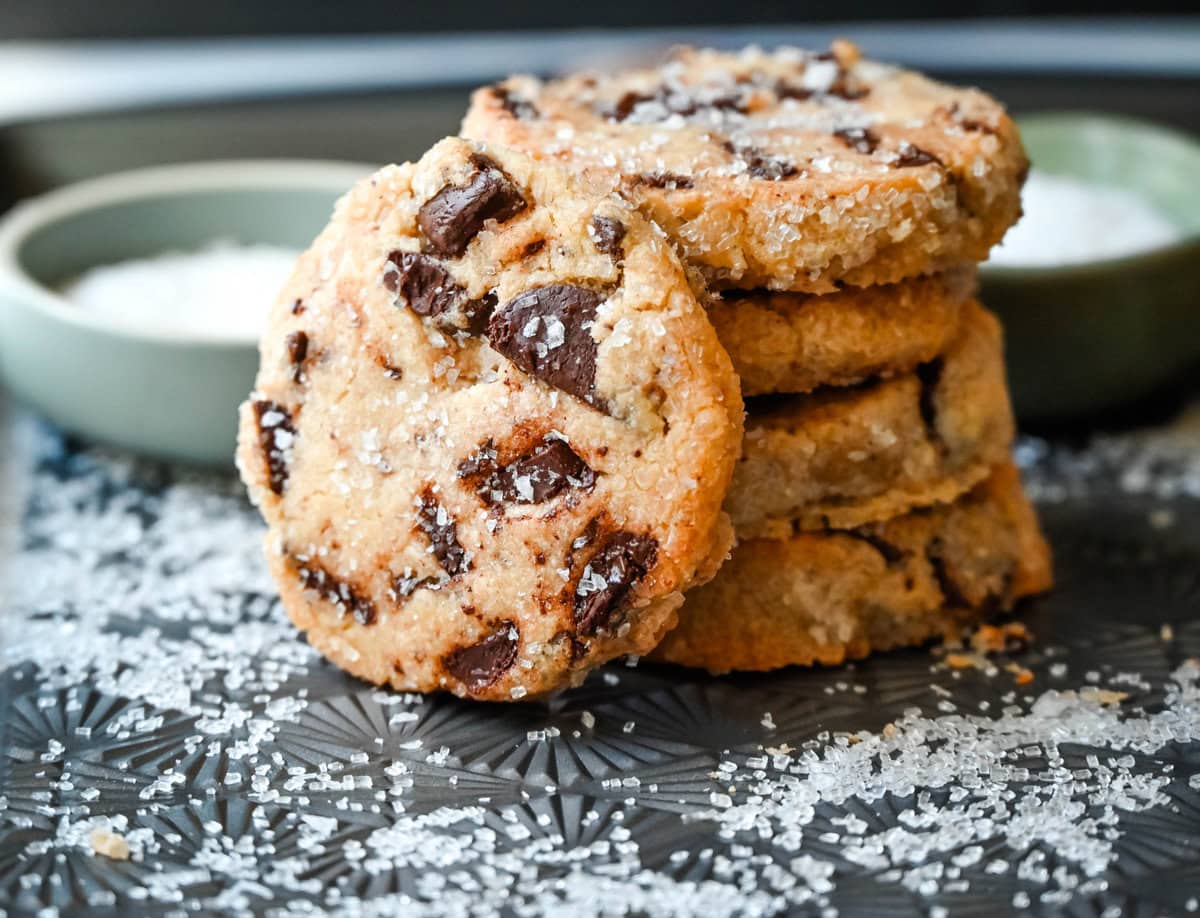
[796, 342]
[824, 597]
[492, 430]
[843, 457]
[788, 170]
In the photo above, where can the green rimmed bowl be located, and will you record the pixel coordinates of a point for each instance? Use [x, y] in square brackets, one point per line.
[158, 393]
[1085, 337]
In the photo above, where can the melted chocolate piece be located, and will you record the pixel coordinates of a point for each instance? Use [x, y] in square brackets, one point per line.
[759, 164]
[862, 140]
[951, 591]
[673, 102]
[430, 291]
[891, 553]
[608, 234]
[297, 348]
[930, 375]
[335, 590]
[481, 664]
[424, 283]
[533, 248]
[843, 90]
[513, 104]
[669, 180]
[546, 332]
[914, 156]
[478, 313]
[276, 433]
[442, 531]
[456, 214]
[621, 561]
[534, 478]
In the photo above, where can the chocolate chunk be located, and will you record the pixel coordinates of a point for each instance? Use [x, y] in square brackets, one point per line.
[404, 586]
[456, 214]
[297, 348]
[481, 664]
[786, 90]
[335, 590]
[844, 90]
[514, 104]
[863, 140]
[442, 531]
[544, 473]
[930, 375]
[547, 333]
[841, 88]
[891, 554]
[669, 180]
[607, 234]
[533, 248]
[276, 434]
[625, 105]
[760, 164]
[430, 291]
[621, 561]
[951, 591]
[914, 156]
[298, 307]
[424, 283]
[477, 313]
[667, 102]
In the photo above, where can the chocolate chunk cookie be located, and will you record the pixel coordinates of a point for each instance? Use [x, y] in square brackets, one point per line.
[828, 596]
[492, 447]
[846, 456]
[788, 170]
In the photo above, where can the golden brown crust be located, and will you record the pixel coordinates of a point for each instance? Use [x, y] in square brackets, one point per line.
[825, 597]
[394, 448]
[795, 342]
[784, 170]
[843, 457]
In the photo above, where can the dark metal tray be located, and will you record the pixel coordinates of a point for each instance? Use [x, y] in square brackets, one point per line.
[146, 695]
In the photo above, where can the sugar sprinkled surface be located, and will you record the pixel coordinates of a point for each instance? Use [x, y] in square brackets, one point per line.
[156, 694]
[222, 290]
[1071, 221]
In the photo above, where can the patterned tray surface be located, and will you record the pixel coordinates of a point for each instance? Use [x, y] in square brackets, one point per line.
[172, 747]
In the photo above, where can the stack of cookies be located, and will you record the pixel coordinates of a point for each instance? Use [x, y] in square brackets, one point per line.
[706, 329]
[835, 209]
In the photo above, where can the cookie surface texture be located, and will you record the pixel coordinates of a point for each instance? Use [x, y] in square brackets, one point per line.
[845, 456]
[825, 597]
[491, 432]
[787, 170]
[796, 342]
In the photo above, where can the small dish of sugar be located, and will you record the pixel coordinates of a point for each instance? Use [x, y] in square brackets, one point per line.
[222, 290]
[1070, 221]
[1096, 284]
[131, 305]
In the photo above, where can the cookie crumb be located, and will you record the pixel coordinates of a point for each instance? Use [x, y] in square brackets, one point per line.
[109, 844]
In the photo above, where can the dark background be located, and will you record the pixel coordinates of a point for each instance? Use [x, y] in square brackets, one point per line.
[391, 122]
[182, 18]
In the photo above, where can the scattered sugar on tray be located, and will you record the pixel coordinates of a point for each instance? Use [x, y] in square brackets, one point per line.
[222, 290]
[1011, 786]
[1071, 221]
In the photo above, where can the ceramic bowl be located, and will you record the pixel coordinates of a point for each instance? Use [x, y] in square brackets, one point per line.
[1084, 338]
[158, 393]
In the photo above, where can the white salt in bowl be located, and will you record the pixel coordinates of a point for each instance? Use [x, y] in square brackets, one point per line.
[1086, 336]
[167, 389]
